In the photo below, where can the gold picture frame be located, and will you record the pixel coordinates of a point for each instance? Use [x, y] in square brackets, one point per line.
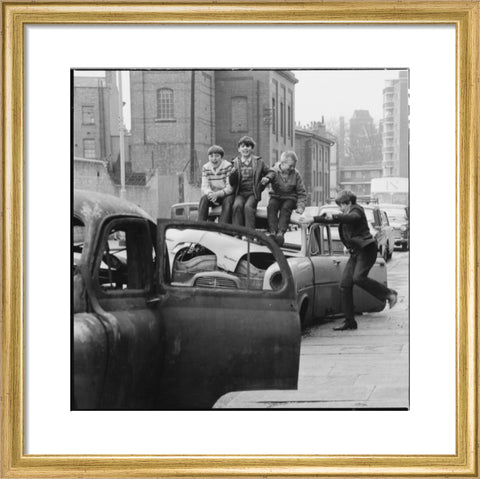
[16, 15]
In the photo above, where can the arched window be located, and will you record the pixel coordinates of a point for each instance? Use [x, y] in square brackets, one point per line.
[165, 104]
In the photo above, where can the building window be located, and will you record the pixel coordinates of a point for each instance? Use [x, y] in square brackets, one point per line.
[239, 114]
[282, 119]
[165, 104]
[347, 175]
[89, 148]
[88, 115]
[274, 116]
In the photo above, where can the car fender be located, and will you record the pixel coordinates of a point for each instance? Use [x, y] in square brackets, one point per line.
[89, 360]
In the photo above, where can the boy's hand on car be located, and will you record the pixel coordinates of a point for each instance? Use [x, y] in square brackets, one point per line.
[212, 196]
[264, 181]
[305, 219]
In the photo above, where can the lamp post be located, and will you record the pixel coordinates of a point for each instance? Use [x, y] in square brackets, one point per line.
[122, 137]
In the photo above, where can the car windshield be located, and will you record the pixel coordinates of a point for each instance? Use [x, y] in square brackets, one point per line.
[397, 214]
[78, 239]
[369, 215]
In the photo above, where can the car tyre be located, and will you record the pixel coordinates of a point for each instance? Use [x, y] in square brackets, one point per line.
[303, 314]
[388, 253]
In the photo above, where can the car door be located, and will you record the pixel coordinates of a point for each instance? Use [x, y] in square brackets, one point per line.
[326, 271]
[332, 254]
[223, 331]
[123, 333]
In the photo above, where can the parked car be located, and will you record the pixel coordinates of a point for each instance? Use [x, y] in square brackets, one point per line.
[215, 260]
[149, 335]
[377, 222]
[184, 211]
[398, 216]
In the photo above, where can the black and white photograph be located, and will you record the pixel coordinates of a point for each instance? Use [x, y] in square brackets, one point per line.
[240, 239]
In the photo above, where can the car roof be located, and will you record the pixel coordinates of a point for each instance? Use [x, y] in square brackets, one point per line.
[92, 206]
[187, 203]
[392, 206]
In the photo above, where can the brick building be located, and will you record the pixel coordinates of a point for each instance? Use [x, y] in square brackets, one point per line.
[173, 120]
[258, 103]
[395, 132]
[91, 120]
[178, 114]
[313, 148]
[357, 178]
[95, 118]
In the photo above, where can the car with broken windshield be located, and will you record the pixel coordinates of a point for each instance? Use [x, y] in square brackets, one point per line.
[158, 324]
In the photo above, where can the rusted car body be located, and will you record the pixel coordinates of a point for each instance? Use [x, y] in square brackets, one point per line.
[143, 341]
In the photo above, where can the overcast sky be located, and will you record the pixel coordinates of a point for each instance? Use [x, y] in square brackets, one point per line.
[327, 93]
[335, 93]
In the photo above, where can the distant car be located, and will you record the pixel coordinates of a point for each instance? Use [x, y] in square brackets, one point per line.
[155, 328]
[216, 260]
[184, 211]
[398, 216]
[377, 222]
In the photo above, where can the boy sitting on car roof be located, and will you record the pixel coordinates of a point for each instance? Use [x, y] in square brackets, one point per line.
[216, 188]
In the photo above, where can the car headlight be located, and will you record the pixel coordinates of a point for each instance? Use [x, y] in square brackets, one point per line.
[403, 228]
[276, 280]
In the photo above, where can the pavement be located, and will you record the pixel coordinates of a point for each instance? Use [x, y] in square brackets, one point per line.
[367, 368]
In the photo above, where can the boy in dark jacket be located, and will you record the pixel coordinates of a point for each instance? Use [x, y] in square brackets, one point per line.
[288, 193]
[248, 180]
[355, 235]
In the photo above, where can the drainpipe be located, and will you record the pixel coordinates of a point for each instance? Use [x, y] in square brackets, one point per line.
[192, 128]
[144, 120]
[258, 121]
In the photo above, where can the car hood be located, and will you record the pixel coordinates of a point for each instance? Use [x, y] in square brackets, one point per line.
[228, 249]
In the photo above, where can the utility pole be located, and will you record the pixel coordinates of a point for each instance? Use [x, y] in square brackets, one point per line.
[122, 137]
[192, 128]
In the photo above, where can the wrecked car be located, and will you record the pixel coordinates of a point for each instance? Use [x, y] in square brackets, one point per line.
[313, 257]
[151, 332]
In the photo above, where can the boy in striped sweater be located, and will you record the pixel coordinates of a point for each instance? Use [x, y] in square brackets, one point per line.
[216, 189]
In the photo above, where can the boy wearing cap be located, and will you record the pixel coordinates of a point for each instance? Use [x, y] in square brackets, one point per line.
[216, 189]
[248, 180]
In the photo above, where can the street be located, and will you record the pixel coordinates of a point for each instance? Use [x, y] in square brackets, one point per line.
[363, 369]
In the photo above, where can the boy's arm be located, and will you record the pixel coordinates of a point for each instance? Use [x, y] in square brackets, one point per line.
[301, 194]
[348, 218]
[351, 218]
[233, 177]
[205, 188]
[270, 174]
[228, 190]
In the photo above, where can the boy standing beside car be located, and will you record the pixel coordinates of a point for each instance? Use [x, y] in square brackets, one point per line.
[363, 248]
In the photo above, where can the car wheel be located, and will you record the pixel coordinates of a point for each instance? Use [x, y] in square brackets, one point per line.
[303, 313]
[384, 253]
[389, 253]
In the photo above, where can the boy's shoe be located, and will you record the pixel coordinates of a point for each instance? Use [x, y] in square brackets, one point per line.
[279, 239]
[348, 324]
[392, 298]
